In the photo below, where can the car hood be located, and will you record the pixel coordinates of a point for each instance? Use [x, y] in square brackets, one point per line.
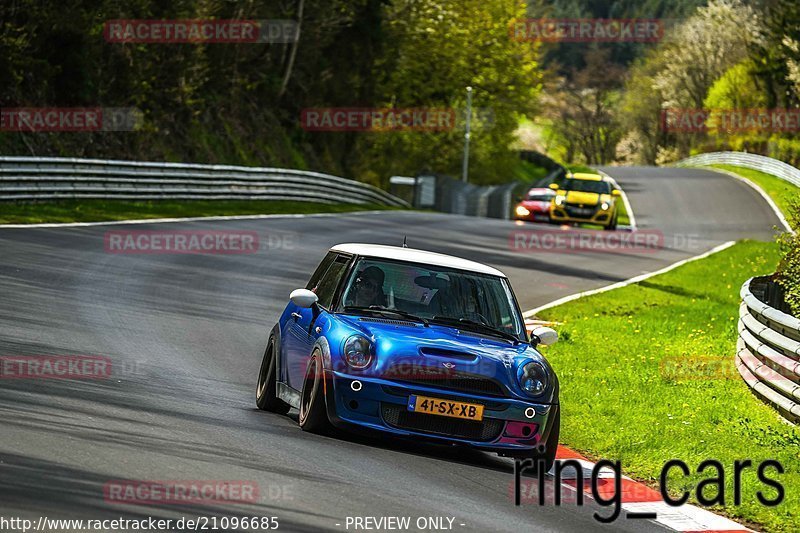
[585, 198]
[415, 349]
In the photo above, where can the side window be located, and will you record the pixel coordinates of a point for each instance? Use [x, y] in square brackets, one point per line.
[320, 271]
[326, 288]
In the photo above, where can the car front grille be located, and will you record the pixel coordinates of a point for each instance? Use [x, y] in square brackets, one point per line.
[444, 379]
[398, 416]
[580, 212]
[402, 392]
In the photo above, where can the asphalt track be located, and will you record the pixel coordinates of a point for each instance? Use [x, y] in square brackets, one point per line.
[186, 334]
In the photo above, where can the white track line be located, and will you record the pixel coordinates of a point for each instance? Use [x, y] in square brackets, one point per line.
[187, 219]
[628, 207]
[637, 279]
[759, 190]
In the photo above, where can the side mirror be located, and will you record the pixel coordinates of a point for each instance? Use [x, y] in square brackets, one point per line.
[616, 192]
[553, 186]
[303, 298]
[544, 336]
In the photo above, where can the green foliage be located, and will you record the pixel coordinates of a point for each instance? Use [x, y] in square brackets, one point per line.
[784, 149]
[434, 51]
[698, 59]
[223, 103]
[736, 89]
[667, 386]
[789, 268]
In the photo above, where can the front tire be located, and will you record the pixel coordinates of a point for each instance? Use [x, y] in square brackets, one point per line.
[266, 389]
[313, 414]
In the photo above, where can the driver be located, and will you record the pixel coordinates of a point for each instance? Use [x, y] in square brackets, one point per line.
[368, 288]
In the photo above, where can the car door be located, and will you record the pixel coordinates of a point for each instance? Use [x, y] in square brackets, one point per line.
[301, 326]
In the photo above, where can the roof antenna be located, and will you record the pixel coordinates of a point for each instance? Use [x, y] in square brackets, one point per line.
[404, 242]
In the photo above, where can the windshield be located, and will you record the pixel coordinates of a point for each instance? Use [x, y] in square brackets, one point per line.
[433, 293]
[599, 187]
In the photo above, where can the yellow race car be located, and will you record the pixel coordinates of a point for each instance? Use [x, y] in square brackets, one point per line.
[585, 198]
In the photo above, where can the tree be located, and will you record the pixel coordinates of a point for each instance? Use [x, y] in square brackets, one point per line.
[583, 106]
[679, 73]
[434, 51]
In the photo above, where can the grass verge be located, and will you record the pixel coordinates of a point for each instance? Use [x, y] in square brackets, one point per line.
[782, 193]
[108, 210]
[623, 218]
[647, 375]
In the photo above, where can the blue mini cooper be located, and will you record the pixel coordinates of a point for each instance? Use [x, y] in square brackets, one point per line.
[415, 344]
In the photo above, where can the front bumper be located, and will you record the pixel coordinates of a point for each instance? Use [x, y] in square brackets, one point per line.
[381, 405]
[600, 217]
[534, 216]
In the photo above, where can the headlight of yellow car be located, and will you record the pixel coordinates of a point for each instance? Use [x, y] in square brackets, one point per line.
[522, 211]
[559, 200]
[605, 206]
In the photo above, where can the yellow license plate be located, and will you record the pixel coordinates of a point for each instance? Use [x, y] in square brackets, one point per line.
[435, 406]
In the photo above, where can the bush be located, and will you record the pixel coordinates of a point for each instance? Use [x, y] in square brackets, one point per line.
[785, 149]
[789, 268]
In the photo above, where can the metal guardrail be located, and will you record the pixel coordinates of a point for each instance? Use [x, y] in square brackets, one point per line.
[768, 349]
[777, 168]
[49, 178]
[492, 201]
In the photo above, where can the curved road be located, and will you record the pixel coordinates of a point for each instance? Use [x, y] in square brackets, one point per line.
[185, 334]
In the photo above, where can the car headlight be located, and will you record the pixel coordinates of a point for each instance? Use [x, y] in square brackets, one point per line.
[559, 200]
[358, 352]
[605, 206]
[532, 378]
[522, 211]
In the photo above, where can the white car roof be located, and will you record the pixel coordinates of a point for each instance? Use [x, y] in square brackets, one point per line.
[415, 256]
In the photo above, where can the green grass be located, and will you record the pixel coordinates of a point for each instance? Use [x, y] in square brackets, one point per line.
[106, 210]
[647, 375]
[623, 219]
[781, 192]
